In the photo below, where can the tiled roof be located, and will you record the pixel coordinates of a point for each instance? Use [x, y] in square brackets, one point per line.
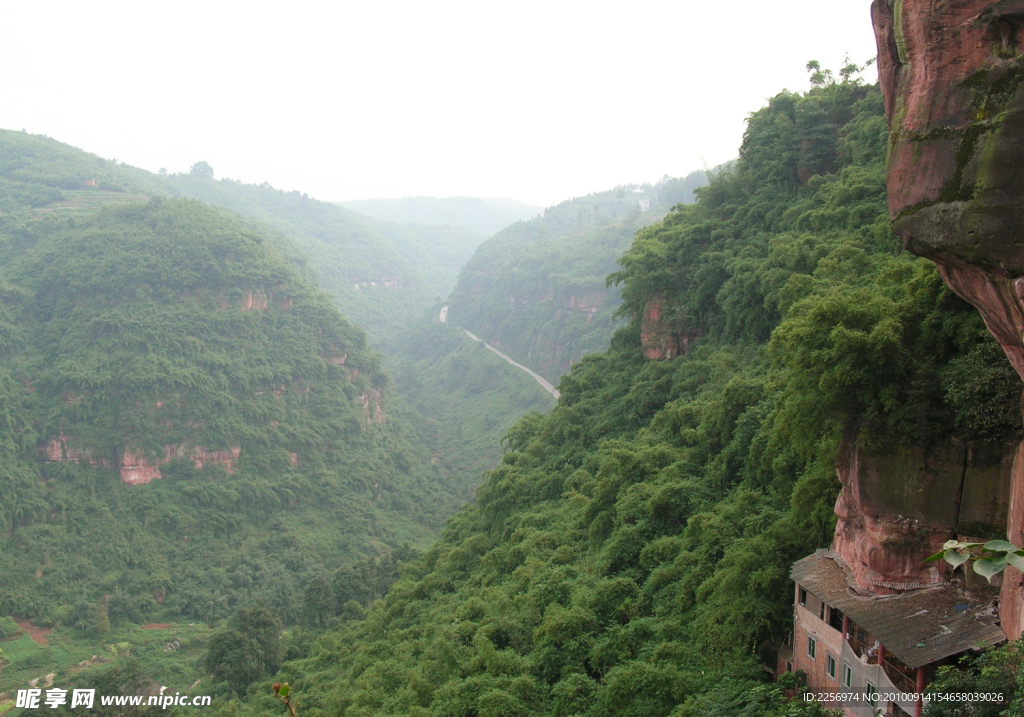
[919, 627]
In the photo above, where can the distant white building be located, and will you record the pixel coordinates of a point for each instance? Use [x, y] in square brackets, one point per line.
[645, 205]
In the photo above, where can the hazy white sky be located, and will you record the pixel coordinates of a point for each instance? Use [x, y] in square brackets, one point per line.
[536, 101]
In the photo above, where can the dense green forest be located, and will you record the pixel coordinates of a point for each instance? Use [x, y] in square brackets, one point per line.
[630, 554]
[401, 271]
[468, 396]
[165, 338]
[168, 331]
[380, 274]
[145, 333]
[537, 291]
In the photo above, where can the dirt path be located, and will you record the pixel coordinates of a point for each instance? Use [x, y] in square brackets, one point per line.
[36, 633]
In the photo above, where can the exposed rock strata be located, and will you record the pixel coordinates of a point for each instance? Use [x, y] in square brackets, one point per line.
[57, 451]
[952, 75]
[899, 504]
[662, 334]
[952, 80]
[372, 411]
[136, 469]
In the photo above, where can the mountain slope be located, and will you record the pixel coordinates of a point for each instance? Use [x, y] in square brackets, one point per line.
[537, 290]
[630, 556]
[167, 342]
[381, 275]
[369, 278]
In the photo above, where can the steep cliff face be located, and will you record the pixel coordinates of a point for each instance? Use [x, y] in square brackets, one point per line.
[899, 504]
[953, 80]
[136, 469]
[662, 333]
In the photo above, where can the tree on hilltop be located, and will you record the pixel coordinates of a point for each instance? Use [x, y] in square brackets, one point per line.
[202, 169]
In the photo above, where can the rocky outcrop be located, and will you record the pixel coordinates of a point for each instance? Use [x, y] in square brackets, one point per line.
[254, 301]
[133, 465]
[135, 468]
[57, 451]
[372, 411]
[392, 282]
[899, 504]
[952, 79]
[586, 305]
[250, 299]
[952, 75]
[227, 458]
[1011, 596]
[662, 333]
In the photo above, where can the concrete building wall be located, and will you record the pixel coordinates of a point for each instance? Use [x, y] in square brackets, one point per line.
[808, 624]
[828, 642]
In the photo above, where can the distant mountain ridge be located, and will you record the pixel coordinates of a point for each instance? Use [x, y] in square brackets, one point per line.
[382, 275]
[483, 215]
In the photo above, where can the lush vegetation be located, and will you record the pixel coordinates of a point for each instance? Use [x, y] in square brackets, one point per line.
[139, 329]
[537, 291]
[997, 671]
[630, 555]
[468, 396]
[158, 333]
[399, 270]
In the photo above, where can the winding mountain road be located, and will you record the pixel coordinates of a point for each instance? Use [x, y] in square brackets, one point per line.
[545, 384]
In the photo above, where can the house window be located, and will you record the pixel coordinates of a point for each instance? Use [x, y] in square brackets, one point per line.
[835, 619]
[830, 666]
[803, 597]
[821, 611]
[789, 666]
[812, 647]
[847, 675]
[871, 692]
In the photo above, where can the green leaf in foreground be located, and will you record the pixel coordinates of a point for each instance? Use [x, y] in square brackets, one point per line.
[987, 567]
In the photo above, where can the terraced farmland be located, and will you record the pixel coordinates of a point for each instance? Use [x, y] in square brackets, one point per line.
[29, 660]
[85, 201]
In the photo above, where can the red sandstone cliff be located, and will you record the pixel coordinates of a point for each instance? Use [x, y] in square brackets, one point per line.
[899, 504]
[952, 75]
[662, 333]
[136, 469]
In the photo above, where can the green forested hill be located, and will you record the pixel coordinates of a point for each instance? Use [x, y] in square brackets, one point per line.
[371, 279]
[630, 555]
[537, 291]
[170, 336]
[145, 336]
[382, 275]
